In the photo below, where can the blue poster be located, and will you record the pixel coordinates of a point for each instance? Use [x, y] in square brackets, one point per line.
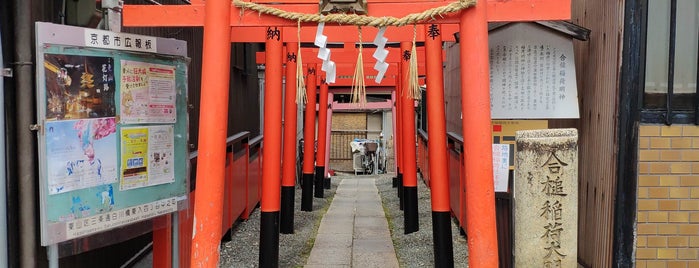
[81, 154]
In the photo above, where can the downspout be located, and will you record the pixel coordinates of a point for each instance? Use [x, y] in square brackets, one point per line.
[26, 139]
[3, 185]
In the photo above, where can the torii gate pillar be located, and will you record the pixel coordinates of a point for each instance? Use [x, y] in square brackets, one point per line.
[476, 127]
[271, 151]
[289, 151]
[208, 205]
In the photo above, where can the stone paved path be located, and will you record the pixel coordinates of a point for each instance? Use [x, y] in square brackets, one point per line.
[354, 232]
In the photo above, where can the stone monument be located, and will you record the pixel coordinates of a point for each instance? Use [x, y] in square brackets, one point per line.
[546, 198]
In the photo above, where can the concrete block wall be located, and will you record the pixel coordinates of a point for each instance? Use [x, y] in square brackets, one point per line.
[668, 197]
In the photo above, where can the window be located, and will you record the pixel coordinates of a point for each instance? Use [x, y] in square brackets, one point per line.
[671, 62]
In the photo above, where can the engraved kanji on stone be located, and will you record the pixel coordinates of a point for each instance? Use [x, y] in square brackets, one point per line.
[552, 211]
[553, 234]
[554, 163]
[553, 185]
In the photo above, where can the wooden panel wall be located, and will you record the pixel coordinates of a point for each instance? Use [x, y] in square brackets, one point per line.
[598, 62]
[452, 88]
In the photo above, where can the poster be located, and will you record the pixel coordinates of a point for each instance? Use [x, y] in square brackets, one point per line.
[80, 154]
[148, 93]
[501, 166]
[147, 156]
[134, 157]
[161, 152]
[79, 86]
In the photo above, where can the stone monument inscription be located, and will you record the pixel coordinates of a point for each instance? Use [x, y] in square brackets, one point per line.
[546, 198]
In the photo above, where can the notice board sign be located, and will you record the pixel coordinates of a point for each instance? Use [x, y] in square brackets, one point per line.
[532, 73]
[113, 129]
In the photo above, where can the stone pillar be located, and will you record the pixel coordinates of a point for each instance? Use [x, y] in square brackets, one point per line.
[546, 198]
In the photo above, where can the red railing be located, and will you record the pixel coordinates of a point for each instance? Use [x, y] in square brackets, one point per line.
[457, 187]
[241, 193]
[457, 193]
[423, 155]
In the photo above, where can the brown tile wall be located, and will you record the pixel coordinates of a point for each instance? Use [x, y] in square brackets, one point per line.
[668, 197]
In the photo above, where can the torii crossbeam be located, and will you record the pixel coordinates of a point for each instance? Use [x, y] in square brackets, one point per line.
[220, 22]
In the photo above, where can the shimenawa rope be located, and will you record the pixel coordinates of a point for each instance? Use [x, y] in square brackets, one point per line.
[300, 83]
[358, 86]
[413, 84]
[359, 20]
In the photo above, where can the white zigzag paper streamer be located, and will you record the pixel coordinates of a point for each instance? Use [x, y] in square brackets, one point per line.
[380, 54]
[324, 54]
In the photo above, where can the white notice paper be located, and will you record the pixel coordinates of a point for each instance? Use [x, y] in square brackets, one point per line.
[501, 166]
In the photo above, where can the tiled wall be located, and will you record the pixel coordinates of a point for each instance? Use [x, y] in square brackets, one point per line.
[668, 197]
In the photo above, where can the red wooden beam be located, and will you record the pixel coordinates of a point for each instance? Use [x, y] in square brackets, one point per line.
[309, 55]
[340, 34]
[316, 1]
[193, 15]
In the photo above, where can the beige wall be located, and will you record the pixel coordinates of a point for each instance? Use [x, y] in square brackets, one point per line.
[668, 197]
[348, 121]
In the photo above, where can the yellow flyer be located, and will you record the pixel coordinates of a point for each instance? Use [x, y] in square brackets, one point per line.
[134, 158]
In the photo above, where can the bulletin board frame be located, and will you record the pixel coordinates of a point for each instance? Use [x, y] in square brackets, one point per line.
[113, 129]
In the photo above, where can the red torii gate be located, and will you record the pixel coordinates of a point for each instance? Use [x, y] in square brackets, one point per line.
[219, 21]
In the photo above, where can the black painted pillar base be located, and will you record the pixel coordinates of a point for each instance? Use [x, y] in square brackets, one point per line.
[326, 183]
[441, 236]
[395, 179]
[410, 214]
[269, 239]
[318, 181]
[400, 190]
[287, 213]
[307, 192]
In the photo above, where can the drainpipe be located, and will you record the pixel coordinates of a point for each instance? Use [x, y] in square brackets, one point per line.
[3, 188]
[26, 139]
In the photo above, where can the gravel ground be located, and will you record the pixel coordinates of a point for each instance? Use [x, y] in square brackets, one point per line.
[243, 249]
[413, 250]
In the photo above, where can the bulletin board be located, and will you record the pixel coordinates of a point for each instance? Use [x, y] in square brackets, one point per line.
[112, 137]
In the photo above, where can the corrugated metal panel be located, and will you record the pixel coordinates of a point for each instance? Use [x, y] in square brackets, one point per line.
[597, 63]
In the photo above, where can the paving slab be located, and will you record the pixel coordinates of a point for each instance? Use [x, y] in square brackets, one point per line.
[354, 232]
